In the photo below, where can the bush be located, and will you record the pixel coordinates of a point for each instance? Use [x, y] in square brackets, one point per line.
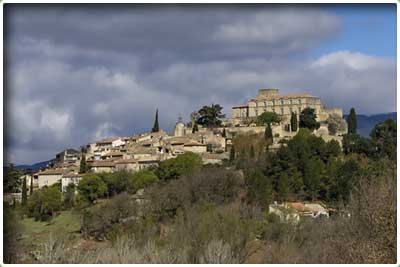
[186, 163]
[45, 203]
[116, 182]
[91, 187]
[99, 221]
[141, 179]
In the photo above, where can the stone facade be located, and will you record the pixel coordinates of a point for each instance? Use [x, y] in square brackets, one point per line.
[269, 100]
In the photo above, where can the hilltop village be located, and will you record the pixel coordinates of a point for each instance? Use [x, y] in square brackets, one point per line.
[213, 144]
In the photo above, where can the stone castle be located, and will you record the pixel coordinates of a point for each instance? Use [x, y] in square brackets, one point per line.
[269, 100]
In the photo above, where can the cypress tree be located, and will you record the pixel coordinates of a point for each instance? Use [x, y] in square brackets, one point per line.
[232, 154]
[155, 127]
[293, 122]
[83, 167]
[268, 133]
[24, 193]
[195, 127]
[352, 122]
[31, 188]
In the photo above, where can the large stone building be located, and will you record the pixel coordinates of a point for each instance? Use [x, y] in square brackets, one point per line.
[283, 105]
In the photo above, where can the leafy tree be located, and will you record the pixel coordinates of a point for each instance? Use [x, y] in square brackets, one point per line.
[210, 116]
[83, 165]
[45, 203]
[12, 181]
[268, 134]
[155, 127]
[24, 192]
[116, 182]
[186, 163]
[384, 137]
[91, 187]
[195, 128]
[352, 122]
[141, 179]
[232, 154]
[293, 122]
[308, 119]
[267, 118]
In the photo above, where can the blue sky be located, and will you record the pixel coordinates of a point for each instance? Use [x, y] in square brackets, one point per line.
[78, 73]
[369, 29]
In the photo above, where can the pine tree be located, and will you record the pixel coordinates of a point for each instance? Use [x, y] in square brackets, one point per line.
[24, 193]
[31, 187]
[283, 186]
[293, 122]
[352, 122]
[232, 154]
[83, 166]
[155, 127]
[195, 127]
[252, 152]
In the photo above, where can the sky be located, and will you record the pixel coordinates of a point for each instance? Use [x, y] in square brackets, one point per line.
[75, 74]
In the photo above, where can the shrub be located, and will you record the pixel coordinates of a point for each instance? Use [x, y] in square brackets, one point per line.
[186, 163]
[141, 179]
[45, 203]
[91, 187]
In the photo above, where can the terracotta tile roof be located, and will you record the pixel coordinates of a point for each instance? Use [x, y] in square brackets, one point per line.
[108, 140]
[297, 206]
[126, 161]
[52, 172]
[194, 143]
[103, 163]
[72, 175]
[142, 150]
[114, 153]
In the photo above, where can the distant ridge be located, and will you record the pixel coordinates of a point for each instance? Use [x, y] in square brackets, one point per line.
[365, 123]
[34, 167]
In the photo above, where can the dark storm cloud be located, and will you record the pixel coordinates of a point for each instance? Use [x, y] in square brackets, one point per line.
[76, 74]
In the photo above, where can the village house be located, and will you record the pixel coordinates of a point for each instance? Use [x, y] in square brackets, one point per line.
[49, 177]
[102, 166]
[67, 156]
[70, 178]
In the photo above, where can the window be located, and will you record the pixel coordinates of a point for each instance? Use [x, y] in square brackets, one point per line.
[281, 102]
[273, 102]
[282, 111]
[299, 110]
[299, 101]
[291, 102]
[273, 110]
[265, 103]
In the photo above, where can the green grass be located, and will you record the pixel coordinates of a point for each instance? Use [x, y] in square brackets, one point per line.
[36, 233]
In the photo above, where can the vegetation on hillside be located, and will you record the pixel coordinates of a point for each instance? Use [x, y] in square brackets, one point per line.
[193, 213]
